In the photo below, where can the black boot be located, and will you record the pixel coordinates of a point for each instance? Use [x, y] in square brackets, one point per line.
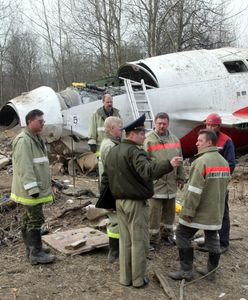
[213, 262]
[113, 254]
[186, 262]
[36, 253]
[24, 237]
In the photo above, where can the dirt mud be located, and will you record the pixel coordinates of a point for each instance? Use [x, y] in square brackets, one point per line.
[90, 276]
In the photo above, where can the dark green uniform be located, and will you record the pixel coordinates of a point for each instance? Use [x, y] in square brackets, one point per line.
[130, 174]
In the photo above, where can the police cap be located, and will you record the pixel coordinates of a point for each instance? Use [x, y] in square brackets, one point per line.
[136, 125]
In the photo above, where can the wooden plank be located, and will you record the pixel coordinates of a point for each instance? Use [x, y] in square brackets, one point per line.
[76, 244]
[165, 285]
[59, 240]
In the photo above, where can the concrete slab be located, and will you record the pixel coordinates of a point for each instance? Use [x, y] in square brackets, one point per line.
[61, 240]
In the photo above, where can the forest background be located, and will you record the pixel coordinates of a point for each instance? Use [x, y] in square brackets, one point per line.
[57, 42]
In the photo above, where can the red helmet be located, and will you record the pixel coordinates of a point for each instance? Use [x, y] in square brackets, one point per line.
[213, 119]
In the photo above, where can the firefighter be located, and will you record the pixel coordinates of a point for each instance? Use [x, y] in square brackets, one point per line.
[113, 133]
[226, 149]
[203, 206]
[161, 144]
[96, 128]
[31, 185]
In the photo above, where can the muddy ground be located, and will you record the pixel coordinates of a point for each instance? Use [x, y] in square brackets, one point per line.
[90, 276]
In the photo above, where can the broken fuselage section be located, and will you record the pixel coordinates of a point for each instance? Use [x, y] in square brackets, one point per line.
[187, 85]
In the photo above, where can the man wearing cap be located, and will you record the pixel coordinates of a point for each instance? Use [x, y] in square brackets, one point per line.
[226, 149]
[203, 206]
[96, 127]
[160, 143]
[130, 174]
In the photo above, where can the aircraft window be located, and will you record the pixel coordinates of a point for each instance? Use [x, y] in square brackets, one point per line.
[235, 66]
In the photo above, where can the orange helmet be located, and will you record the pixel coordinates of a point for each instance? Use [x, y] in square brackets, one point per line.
[213, 119]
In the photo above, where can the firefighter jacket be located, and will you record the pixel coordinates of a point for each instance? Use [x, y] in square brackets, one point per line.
[31, 173]
[96, 128]
[226, 149]
[165, 147]
[204, 198]
[130, 172]
[107, 143]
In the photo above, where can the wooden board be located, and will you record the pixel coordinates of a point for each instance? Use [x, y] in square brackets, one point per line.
[61, 239]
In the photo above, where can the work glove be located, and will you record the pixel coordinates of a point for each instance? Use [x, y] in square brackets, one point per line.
[36, 195]
[93, 148]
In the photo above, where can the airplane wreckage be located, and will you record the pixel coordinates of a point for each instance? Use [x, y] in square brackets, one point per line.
[187, 85]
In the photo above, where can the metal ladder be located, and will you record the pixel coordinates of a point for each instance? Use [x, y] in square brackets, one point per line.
[139, 100]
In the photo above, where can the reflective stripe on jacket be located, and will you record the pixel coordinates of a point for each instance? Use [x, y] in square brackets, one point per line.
[31, 174]
[204, 197]
[165, 148]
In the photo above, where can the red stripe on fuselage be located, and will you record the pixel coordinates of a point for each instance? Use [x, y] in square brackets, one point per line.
[241, 112]
[163, 146]
[238, 136]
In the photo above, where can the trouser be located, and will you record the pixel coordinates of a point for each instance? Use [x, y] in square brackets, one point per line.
[113, 226]
[33, 217]
[184, 235]
[133, 223]
[224, 232]
[161, 211]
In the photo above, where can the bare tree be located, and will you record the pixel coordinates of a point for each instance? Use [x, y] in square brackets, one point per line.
[49, 24]
[177, 25]
[7, 17]
[150, 17]
[194, 24]
[100, 26]
[22, 59]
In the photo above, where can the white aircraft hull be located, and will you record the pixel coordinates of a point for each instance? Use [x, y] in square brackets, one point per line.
[187, 85]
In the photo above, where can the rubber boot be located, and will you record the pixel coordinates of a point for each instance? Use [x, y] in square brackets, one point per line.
[213, 262]
[36, 253]
[24, 237]
[113, 254]
[186, 262]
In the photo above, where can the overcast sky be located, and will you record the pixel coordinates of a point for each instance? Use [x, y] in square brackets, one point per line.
[240, 21]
